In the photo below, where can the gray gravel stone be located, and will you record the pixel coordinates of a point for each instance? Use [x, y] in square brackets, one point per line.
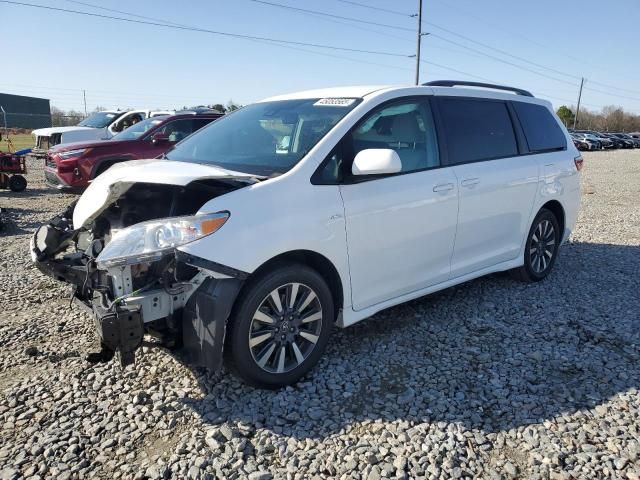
[490, 379]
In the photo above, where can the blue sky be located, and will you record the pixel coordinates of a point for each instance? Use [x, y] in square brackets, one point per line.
[56, 55]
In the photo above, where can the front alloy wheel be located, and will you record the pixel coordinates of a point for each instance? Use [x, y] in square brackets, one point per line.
[280, 326]
[285, 328]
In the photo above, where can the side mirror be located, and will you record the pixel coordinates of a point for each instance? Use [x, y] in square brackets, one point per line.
[376, 161]
[159, 139]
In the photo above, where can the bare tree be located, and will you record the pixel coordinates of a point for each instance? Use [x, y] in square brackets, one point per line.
[611, 118]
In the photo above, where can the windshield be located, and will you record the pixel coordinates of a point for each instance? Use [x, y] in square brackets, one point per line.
[99, 119]
[137, 130]
[264, 138]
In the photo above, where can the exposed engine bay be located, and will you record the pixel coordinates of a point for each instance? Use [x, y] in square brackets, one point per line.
[160, 292]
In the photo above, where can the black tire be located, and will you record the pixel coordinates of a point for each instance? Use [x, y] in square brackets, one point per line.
[243, 359]
[17, 183]
[531, 270]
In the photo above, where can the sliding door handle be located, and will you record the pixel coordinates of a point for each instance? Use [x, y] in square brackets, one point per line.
[470, 182]
[443, 187]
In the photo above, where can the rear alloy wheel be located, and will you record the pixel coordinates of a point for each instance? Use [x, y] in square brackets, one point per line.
[281, 327]
[541, 249]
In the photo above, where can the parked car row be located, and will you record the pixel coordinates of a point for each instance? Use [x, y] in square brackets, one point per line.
[71, 166]
[593, 140]
[97, 126]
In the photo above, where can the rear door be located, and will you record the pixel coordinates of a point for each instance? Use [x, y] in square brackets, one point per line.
[400, 227]
[497, 185]
[546, 143]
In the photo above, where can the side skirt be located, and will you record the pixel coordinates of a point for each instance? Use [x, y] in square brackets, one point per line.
[350, 316]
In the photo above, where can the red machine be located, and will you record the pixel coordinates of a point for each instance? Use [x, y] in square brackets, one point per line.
[12, 165]
[12, 169]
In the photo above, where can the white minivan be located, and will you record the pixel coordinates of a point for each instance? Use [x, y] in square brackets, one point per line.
[254, 236]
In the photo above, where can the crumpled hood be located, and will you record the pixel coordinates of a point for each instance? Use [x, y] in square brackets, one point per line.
[122, 176]
[47, 132]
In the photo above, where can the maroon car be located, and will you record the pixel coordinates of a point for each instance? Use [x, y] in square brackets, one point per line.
[72, 166]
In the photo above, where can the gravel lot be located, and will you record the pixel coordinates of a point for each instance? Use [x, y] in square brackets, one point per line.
[492, 379]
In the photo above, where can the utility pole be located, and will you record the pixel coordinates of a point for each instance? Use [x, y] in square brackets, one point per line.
[575, 119]
[84, 97]
[419, 42]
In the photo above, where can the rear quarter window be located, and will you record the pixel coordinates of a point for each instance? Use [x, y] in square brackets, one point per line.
[541, 129]
[477, 129]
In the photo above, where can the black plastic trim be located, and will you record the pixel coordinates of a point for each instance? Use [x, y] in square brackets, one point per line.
[204, 321]
[462, 83]
[209, 265]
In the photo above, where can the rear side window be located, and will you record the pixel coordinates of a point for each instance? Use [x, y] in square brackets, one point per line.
[477, 129]
[541, 130]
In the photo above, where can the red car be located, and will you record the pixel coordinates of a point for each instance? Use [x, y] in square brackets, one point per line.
[72, 166]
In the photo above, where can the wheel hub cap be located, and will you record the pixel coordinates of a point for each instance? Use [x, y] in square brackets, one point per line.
[285, 328]
[542, 246]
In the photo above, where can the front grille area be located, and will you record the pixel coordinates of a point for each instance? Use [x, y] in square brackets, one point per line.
[50, 162]
[52, 179]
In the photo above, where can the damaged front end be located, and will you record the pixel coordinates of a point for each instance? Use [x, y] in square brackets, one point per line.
[127, 270]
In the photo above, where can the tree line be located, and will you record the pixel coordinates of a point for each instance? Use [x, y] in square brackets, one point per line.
[610, 119]
[68, 118]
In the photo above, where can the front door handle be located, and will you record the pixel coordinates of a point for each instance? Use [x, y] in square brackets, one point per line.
[470, 182]
[443, 187]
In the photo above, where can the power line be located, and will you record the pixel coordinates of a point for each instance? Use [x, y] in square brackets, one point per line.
[324, 14]
[380, 9]
[614, 86]
[501, 60]
[91, 5]
[451, 32]
[204, 30]
[316, 12]
[350, 24]
[457, 71]
[290, 43]
[511, 32]
[493, 25]
[612, 94]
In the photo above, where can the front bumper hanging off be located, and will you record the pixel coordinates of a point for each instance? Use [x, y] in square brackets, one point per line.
[198, 316]
[120, 330]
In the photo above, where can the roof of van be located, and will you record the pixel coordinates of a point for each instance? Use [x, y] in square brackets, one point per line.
[364, 90]
[341, 92]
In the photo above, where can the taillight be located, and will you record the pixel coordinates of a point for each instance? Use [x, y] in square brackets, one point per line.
[578, 161]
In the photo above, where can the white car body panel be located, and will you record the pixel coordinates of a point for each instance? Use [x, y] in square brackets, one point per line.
[400, 234]
[495, 202]
[47, 132]
[371, 232]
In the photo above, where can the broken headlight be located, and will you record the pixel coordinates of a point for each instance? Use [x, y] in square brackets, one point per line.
[149, 241]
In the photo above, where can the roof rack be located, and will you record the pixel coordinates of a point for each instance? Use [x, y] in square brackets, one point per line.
[453, 83]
